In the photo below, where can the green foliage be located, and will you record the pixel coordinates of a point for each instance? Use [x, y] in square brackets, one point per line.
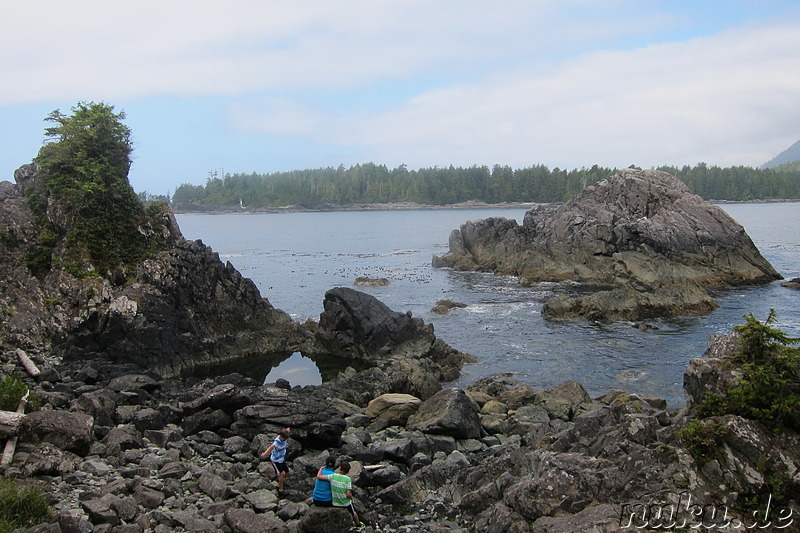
[21, 506]
[769, 387]
[701, 438]
[85, 169]
[370, 183]
[12, 389]
[713, 404]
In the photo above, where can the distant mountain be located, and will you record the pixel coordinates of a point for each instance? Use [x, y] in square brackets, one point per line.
[789, 155]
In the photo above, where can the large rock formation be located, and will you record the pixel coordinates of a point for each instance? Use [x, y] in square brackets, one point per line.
[642, 232]
[181, 309]
[394, 351]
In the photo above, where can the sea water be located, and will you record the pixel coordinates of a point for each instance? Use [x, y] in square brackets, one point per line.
[295, 257]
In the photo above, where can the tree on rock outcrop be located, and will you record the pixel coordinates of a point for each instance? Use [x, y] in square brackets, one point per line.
[84, 199]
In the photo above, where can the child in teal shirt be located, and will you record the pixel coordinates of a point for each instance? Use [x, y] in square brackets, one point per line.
[341, 488]
[322, 489]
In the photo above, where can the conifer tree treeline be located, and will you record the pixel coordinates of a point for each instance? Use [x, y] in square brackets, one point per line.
[370, 183]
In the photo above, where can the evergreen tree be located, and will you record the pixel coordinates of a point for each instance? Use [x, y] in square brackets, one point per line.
[84, 165]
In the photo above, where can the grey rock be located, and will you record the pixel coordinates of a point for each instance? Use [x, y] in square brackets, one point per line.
[99, 511]
[101, 405]
[96, 467]
[563, 401]
[121, 438]
[395, 449]
[148, 498]
[148, 419]
[206, 420]
[641, 233]
[47, 460]
[246, 521]
[214, 486]
[449, 412]
[74, 521]
[394, 408]
[262, 500]
[193, 522]
[402, 353]
[325, 520]
[66, 430]
[181, 309]
[604, 518]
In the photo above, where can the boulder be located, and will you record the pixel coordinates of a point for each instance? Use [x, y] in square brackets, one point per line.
[66, 430]
[449, 412]
[371, 282]
[394, 408]
[247, 521]
[641, 236]
[793, 283]
[312, 420]
[443, 307]
[711, 374]
[358, 326]
[395, 352]
[564, 400]
[325, 520]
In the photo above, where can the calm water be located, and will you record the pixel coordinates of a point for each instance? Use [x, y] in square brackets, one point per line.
[294, 258]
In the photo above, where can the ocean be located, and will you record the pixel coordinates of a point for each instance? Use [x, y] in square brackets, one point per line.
[295, 257]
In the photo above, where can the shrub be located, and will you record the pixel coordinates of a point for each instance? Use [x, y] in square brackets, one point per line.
[769, 389]
[21, 506]
[701, 438]
[11, 390]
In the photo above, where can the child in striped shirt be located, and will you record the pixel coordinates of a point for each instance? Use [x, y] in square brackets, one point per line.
[341, 488]
[277, 456]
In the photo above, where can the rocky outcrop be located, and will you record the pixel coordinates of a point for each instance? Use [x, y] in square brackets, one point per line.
[793, 283]
[370, 282]
[179, 310]
[443, 307]
[395, 352]
[642, 232]
[143, 453]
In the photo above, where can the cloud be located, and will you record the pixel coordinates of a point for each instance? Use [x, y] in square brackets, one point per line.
[95, 49]
[723, 99]
[266, 84]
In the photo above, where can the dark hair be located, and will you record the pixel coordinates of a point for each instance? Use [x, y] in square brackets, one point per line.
[330, 461]
[344, 467]
[284, 433]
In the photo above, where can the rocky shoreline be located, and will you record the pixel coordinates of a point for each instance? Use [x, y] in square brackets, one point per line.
[119, 449]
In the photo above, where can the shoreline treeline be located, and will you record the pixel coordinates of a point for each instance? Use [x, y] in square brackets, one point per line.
[369, 183]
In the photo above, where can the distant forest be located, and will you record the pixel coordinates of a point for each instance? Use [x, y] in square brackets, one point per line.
[375, 184]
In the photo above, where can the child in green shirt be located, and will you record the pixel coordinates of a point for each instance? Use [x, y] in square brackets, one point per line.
[341, 488]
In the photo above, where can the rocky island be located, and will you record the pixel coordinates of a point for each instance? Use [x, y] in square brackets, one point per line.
[644, 244]
[101, 416]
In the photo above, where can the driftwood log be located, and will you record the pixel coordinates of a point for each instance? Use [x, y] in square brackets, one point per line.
[14, 422]
[29, 365]
[10, 422]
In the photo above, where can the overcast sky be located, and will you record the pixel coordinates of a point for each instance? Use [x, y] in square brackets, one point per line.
[263, 86]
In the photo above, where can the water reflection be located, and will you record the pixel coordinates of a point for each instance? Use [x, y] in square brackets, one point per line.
[297, 370]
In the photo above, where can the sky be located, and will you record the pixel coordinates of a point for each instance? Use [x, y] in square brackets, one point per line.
[265, 86]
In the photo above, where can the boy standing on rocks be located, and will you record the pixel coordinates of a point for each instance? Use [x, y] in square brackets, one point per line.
[341, 488]
[277, 456]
